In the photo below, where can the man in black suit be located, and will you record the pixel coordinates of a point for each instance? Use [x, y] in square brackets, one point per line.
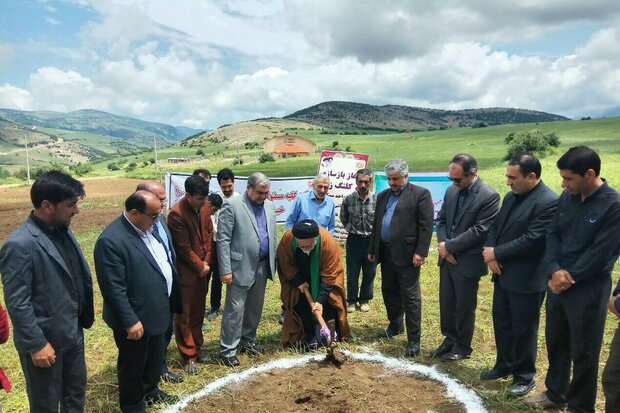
[513, 251]
[400, 238]
[583, 244]
[162, 228]
[468, 210]
[139, 288]
[48, 293]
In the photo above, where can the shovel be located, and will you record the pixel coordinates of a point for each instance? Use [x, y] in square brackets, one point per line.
[328, 330]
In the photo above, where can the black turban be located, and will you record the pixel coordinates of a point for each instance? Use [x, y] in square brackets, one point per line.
[305, 229]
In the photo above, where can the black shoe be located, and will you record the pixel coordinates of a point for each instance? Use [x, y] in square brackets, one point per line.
[251, 350]
[170, 377]
[231, 361]
[389, 333]
[521, 389]
[454, 356]
[413, 349]
[201, 358]
[191, 368]
[444, 348]
[493, 374]
[160, 396]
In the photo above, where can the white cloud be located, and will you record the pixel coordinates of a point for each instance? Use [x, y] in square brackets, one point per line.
[15, 98]
[204, 63]
[52, 21]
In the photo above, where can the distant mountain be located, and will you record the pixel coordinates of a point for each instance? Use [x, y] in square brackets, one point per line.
[340, 115]
[611, 112]
[187, 131]
[79, 136]
[94, 121]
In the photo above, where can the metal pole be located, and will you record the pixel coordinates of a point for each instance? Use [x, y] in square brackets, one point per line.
[27, 159]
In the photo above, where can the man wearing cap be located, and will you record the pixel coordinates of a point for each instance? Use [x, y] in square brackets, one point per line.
[309, 259]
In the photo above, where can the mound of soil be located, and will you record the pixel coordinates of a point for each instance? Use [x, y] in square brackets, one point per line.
[321, 387]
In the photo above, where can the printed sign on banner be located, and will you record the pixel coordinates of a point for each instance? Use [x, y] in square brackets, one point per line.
[283, 191]
[341, 168]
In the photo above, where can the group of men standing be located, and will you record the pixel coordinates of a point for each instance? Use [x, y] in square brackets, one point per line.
[153, 275]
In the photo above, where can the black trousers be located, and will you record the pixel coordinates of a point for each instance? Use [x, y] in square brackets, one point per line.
[216, 284]
[458, 298]
[357, 258]
[311, 326]
[167, 338]
[515, 321]
[611, 375]
[138, 369]
[400, 287]
[574, 331]
[63, 384]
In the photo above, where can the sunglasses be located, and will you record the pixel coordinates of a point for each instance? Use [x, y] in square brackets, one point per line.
[455, 180]
[153, 217]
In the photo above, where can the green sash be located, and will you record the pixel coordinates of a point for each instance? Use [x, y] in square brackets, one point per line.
[314, 266]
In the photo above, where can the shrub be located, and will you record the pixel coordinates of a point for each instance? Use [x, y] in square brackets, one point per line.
[533, 141]
[266, 157]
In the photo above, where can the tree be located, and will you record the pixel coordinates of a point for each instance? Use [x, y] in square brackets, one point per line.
[334, 144]
[81, 168]
[200, 152]
[266, 157]
[533, 141]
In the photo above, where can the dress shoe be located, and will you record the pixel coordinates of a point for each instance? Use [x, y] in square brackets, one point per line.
[364, 307]
[160, 396]
[213, 314]
[389, 333]
[454, 356]
[541, 401]
[231, 361]
[171, 377]
[251, 350]
[413, 349]
[493, 374]
[191, 368]
[521, 389]
[444, 348]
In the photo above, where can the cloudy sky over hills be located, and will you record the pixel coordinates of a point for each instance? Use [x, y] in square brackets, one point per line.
[203, 63]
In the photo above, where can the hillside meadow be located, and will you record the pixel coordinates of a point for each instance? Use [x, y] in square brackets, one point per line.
[424, 151]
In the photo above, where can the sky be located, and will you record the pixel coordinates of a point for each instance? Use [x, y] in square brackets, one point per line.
[201, 63]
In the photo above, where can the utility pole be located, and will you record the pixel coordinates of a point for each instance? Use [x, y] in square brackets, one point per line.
[28, 155]
[238, 156]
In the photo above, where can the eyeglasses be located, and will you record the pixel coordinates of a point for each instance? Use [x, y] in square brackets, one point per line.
[153, 217]
[455, 180]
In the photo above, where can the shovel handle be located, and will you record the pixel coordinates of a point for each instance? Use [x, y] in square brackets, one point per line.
[318, 316]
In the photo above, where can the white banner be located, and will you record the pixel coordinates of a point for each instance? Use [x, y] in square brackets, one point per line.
[282, 192]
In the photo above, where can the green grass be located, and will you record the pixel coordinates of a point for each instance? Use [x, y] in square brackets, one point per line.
[101, 352]
[424, 151]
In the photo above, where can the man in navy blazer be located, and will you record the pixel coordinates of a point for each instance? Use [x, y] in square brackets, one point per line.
[48, 293]
[513, 252]
[139, 287]
[468, 210]
[400, 238]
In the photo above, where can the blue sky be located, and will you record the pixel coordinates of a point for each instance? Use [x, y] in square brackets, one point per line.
[204, 63]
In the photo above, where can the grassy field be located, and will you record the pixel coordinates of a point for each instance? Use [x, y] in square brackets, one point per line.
[101, 351]
[424, 151]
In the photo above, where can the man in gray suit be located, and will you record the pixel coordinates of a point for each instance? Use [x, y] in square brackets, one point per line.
[246, 249]
[48, 293]
[467, 213]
